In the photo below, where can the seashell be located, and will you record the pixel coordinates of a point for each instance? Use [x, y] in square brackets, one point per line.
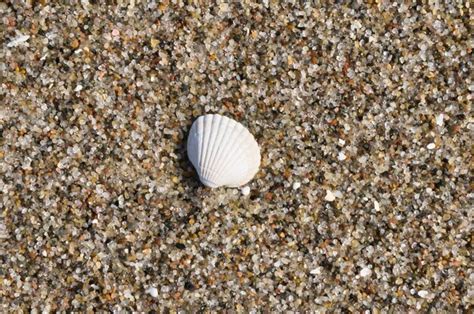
[223, 151]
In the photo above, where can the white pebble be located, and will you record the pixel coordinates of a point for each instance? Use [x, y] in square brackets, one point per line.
[316, 271]
[3, 231]
[362, 159]
[341, 156]
[329, 196]
[431, 146]
[342, 142]
[223, 7]
[135, 136]
[365, 272]
[376, 206]
[18, 41]
[296, 185]
[78, 88]
[440, 119]
[245, 190]
[423, 293]
[152, 291]
[127, 294]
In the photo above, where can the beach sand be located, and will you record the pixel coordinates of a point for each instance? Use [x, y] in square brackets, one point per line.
[363, 201]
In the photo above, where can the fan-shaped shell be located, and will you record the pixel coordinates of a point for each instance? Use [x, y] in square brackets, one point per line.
[223, 151]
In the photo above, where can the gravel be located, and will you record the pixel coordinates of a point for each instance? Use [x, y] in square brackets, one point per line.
[363, 114]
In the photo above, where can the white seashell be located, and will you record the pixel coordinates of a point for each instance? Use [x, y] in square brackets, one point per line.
[223, 151]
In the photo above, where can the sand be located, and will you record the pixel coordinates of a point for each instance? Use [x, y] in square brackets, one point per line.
[363, 202]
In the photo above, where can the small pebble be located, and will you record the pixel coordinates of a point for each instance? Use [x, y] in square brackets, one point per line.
[296, 186]
[365, 272]
[245, 190]
[154, 42]
[431, 146]
[152, 291]
[376, 206]
[128, 294]
[3, 231]
[423, 293]
[341, 156]
[440, 119]
[330, 197]
[18, 41]
[74, 43]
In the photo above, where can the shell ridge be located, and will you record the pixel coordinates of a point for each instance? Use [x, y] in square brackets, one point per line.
[190, 145]
[209, 144]
[250, 146]
[238, 151]
[200, 130]
[205, 140]
[227, 145]
[220, 136]
[231, 156]
[240, 154]
[193, 147]
[215, 148]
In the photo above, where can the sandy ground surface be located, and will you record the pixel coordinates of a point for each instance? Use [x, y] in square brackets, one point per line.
[362, 112]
